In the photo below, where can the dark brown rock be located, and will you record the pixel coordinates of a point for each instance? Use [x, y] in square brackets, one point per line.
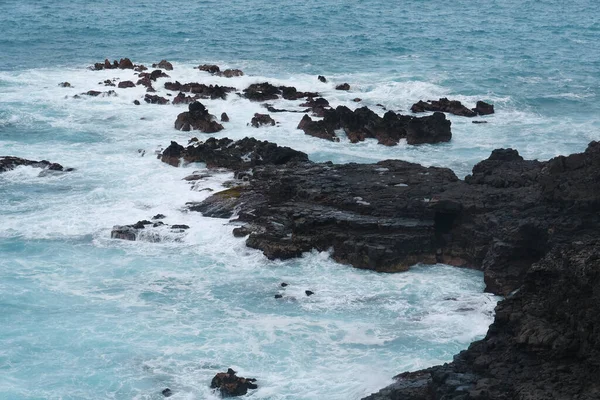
[224, 117]
[126, 84]
[343, 86]
[201, 90]
[262, 119]
[163, 64]
[443, 105]
[197, 118]
[154, 99]
[483, 108]
[230, 385]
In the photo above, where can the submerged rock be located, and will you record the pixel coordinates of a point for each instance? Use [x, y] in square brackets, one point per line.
[230, 385]
[148, 231]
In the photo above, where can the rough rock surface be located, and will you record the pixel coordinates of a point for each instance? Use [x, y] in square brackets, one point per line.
[235, 155]
[148, 231]
[364, 123]
[8, 162]
[531, 226]
[197, 118]
[200, 89]
[266, 91]
[453, 107]
[124, 63]
[164, 64]
[231, 385]
[262, 119]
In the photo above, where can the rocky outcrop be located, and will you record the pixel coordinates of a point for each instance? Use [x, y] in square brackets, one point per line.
[123, 63]
[155, 99]
[197, 118]
[148, 231]
[343, 86]
[163, 64]
[230, 385]
[531, 226]
[453, 107]
[215, 70]
[363, 123]
[126, 84]
[8, 163]
[235, 155]
[200, 90]
[259, 120]
[266, 91]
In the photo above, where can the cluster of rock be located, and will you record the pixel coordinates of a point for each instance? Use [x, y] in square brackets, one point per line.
[8, 163]
[150, 231]
[531, 226]
[364, 123]
[266, 91]
[200, 90]
[453, 107]
[235, 155]
[216, 70]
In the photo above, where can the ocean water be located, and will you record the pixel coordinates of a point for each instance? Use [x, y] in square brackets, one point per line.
[86, 317]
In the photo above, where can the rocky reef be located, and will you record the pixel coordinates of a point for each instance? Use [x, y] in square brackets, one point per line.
[531, 226]
[8, 163]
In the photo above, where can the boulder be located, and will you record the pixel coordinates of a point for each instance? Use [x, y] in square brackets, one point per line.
[443, 105]
[197, 118]
[163, 64]
[483, 108]
[230, 385]
[322, 78]
[154, 99]
[262, 119]
[126, 84]
[343, 86]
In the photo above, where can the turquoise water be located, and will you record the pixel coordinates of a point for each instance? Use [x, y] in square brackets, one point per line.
[86, 317]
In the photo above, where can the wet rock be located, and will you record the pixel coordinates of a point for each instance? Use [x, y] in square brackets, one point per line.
[181, 98]
[197, 118]
[343, 86]
[483, 108]
[140, 68]
[126, 84]
[65, 84]
[479, 122]
[155, 99]
[125, 63]
[201, 90]
[235, 155]
[309, 293]
[322, 78]
[432, 129]
[159, 216]
[283, 284]
[317, 129]
[8, 163]
[278, 296]
[261, 92]
[164, 64]
[224, 117]
[262, 119]
[167, 392]
[136, 102]
[443, 105]
[230, 73]
[230, 385]
[357, 100]
[148, 231]
[210, 68]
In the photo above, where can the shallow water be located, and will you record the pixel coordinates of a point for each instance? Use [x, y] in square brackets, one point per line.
[86, 317]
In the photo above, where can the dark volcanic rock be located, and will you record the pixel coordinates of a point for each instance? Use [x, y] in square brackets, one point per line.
[210, 68]
[262, 92]
[322, 78]
[126, 84]
[65, 84]
[363, 123]
[238, 155]
[155, 99]
[164, 64]
[148, 231]
[483, 108]
[197, 118]
[230, 73]
[343, 86]
[8, 162]
[443, 105]
[201, 90]
[224, 117]
[231, 385]
[261, 120]
[181, 98]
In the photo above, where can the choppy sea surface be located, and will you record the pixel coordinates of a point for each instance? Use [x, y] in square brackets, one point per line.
[86, 317]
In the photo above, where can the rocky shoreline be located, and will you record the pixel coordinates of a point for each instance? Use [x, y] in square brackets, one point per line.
[531, 227]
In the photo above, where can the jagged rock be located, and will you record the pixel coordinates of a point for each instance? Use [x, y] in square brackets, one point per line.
[125, 63]
[224, 117]
[148, 231]
[363, 123]
[155, 99]
[201, 90]
[343, 86]
[126, 84]
[483, 108]
[164, 64]
[181, 98]
[231, 385]
[8, 163]
[230, 73]
[443, 105]
[261, 92]
[262, 119]
[225, 153]
[210, 68]
[197, 118]
[167, 392]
